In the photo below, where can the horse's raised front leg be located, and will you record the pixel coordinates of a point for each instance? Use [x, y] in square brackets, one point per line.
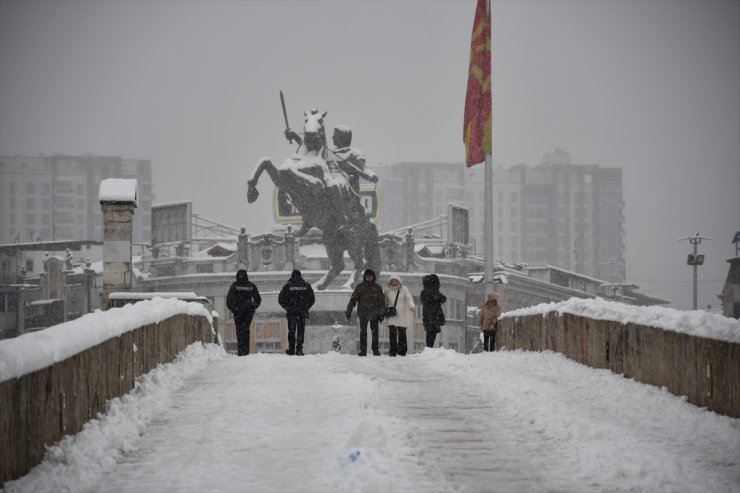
[264, 164]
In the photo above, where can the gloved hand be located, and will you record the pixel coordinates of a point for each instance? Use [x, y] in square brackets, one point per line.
[291, 135]
[349, 316]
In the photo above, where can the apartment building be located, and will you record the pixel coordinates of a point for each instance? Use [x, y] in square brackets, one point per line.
[55, 198]
[557, 213]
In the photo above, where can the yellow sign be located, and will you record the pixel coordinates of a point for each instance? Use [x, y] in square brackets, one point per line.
[286, 211]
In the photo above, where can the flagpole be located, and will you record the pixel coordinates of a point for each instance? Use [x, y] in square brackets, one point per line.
[488, 228]
[488, 191]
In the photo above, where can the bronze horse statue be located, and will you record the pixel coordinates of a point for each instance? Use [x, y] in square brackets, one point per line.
[323, 197]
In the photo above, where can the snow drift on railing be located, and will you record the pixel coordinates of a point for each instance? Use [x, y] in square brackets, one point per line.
[36, 350]
[697, 323]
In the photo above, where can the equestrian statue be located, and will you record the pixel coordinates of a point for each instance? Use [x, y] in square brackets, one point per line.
[323, 184]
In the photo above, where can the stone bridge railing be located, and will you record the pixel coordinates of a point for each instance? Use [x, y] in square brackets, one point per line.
[54, 381]
[705, 370]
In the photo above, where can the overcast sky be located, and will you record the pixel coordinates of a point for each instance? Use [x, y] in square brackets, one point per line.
[652, 87]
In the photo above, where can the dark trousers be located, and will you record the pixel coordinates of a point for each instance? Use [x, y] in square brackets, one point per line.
[296, 326]
[397, 337]
[431, 336]
[489, 340]
[242, 323]
[363, 336]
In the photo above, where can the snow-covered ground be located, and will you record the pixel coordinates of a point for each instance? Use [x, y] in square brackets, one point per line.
[436, 421]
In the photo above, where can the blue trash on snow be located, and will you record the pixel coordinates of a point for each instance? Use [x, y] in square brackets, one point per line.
[350, 458]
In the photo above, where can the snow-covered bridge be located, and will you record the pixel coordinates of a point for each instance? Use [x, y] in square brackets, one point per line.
[434, 421]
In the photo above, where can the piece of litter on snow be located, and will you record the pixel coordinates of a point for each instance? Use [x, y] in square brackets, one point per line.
[350, 458]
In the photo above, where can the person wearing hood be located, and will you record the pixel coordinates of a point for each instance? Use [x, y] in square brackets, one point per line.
[488, 321]
[243, 300]
[297, 298]
[370, 300]
[431, 301]
[399, 315]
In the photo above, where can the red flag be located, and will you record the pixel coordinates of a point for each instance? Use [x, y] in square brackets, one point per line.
[477, 125]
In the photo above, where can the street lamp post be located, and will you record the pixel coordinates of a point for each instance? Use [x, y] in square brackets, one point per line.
[695, 259]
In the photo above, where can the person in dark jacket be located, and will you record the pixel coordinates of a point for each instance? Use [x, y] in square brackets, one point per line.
[297, 298]
[370, 300]
[431, 301]
[243, 300]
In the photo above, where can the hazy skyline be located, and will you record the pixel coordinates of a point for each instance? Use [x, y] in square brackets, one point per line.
[652, 87]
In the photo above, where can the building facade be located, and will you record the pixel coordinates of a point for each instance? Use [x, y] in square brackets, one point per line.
[557, 213]
[54, 198]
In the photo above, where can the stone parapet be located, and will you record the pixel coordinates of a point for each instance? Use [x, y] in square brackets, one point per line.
[706, 371]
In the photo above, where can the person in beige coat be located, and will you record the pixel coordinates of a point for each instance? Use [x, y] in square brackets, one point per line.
[489, 321]
[398, 294]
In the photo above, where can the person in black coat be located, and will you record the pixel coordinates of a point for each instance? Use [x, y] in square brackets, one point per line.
[243, 300]
[297, 298]
[431, 300]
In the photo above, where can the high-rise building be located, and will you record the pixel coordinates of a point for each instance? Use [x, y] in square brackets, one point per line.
[561, 214]
[48, 198]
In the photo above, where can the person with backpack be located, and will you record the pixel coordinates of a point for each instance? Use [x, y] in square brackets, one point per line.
[296, 297]
[431, 301]
[243, 300]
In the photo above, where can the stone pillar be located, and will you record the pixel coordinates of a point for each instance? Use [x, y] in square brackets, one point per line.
[243, 249]
[409, 247]
[289, 249]
[118, 201]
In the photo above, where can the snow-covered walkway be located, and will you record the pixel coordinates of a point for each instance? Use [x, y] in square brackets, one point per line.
[436, 421]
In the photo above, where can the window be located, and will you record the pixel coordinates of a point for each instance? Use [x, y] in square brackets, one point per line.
[268, 347]
[8, 302]
[64, 186]
[64, 217]
[63, 202]
[30, 218]
[29, 265]
[30, 188]
[204, 268]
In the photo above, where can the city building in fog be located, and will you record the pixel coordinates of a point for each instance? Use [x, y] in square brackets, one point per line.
[55, 198]
[557, 213]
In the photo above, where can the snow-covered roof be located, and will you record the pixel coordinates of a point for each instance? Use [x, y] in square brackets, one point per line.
[148, 296]
[46, 302]
[316, 250]
[118, 190]
[698, 323]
